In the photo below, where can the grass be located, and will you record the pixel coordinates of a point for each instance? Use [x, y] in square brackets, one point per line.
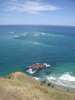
[23, 87]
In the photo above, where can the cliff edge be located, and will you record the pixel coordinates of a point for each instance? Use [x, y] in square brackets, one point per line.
[19, 86]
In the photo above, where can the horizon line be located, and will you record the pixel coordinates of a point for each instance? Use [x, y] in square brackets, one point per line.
[33, 25]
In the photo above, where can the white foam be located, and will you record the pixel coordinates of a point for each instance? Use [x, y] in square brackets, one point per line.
[56, 35]
[42, 44]
[47, 65]
[36, 78]
[67, 77]
[36, 35]
[16, 36]
[36, 43]
[53, 35]
[30, 71]
[43, 33]
[24, 34]
[50, 79]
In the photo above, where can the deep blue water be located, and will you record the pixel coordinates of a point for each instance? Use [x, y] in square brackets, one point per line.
[21, 46]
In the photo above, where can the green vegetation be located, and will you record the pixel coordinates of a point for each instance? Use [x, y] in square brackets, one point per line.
[19, 86]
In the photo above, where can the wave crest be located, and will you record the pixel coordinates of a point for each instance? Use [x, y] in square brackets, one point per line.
[66, 80]
[67, 76]
[20, 36]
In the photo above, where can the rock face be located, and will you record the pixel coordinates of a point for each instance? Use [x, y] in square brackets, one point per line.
[37, 66]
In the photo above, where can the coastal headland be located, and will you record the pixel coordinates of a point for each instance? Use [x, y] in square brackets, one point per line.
[19, 86]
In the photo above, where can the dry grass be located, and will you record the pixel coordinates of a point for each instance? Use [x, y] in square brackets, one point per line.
[22, 87]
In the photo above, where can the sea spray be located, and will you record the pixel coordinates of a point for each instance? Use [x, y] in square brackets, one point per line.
[65, 79]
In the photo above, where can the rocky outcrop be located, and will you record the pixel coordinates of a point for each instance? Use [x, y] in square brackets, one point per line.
[38, 66]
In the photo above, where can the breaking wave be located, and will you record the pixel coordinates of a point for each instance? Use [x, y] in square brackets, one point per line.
[36, 78]
[65, 79]
[20, 36]
[38, 34]
[34, 43]
[16, 36]
[48, 34]
[30, 71]
[40, 44]
[47, 65]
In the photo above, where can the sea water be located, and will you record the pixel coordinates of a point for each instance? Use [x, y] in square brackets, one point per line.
[22, 46]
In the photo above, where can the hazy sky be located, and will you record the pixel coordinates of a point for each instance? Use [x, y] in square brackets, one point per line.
[45, 12]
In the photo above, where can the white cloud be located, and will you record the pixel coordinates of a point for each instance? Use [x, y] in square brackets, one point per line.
[31, 6]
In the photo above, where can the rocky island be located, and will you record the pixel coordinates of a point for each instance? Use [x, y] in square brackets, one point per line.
[37, 67]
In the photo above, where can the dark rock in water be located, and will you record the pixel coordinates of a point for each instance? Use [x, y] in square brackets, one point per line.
[37, 66]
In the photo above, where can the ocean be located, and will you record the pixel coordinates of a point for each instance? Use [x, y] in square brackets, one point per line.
[24, 45]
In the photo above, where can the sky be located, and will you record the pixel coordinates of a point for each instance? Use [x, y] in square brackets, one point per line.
[37, 12]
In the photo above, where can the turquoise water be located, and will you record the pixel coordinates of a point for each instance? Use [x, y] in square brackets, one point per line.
[21, 46]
